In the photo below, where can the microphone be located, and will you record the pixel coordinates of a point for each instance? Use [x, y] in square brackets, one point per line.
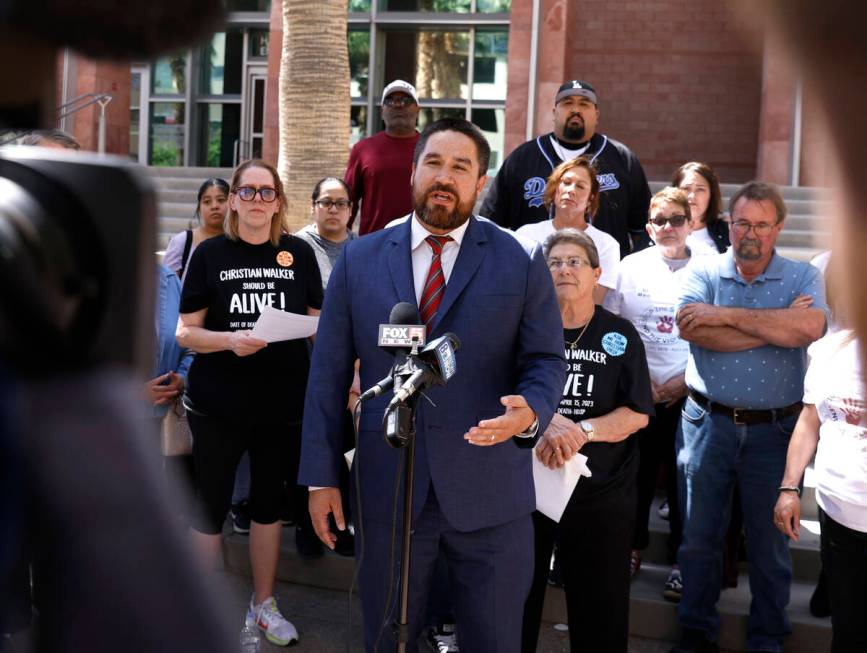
[402, 333]
[434, 365]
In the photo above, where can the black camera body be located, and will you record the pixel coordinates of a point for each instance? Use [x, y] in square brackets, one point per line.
[77, 257]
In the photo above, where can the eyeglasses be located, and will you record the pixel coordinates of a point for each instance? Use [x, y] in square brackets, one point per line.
[248, 193]
[398, 101]
[327, 204]
[742, 227]
[675, 221]
[573, 263]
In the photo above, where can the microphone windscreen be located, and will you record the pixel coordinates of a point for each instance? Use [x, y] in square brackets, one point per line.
[404, 313]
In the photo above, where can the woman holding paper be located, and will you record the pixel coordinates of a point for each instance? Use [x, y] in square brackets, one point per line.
[244, 394]
[607, 398]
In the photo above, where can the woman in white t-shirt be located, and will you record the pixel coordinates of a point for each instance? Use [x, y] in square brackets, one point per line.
[572, 197]
[646, 294]
[833, 425]
[710, 233]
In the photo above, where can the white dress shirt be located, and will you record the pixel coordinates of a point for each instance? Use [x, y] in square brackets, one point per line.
[422, 254]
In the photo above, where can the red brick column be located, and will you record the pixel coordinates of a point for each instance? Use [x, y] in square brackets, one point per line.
[777, 118]
[271, 139]
[101, 77]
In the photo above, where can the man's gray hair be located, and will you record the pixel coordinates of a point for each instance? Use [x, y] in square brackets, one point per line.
[759, 191]
[572, 236]
[57, 136]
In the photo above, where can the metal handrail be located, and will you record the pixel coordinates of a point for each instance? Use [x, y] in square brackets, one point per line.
[84, 101]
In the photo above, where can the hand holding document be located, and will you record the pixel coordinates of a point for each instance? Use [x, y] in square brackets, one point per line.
[275, 325]
[554, 487]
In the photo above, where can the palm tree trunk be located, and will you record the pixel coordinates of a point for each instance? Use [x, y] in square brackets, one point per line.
[314, 100]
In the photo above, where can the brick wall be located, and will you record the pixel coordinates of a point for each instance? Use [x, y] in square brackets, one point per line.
[677, 79]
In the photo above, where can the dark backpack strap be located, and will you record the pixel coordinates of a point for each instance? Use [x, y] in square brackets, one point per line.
[188, 245]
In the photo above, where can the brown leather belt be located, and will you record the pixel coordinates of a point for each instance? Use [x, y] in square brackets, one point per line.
[743, 416]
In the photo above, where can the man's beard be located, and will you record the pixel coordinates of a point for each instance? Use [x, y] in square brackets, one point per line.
[573, 132]
[438, 216]
[749, 250]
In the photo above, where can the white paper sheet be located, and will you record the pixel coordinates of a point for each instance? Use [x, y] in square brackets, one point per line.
[275, 325]
[554, 487]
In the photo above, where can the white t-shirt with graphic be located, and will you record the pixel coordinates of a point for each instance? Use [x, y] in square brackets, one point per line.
[646, 294]
[608, 248]
[834, 385]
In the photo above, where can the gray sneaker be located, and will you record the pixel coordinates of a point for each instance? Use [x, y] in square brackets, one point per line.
[443, 639]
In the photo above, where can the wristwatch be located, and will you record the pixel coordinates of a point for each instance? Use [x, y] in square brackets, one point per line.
[588, 429]
[531, 431]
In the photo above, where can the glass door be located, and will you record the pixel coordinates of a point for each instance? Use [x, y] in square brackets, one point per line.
[253, 130]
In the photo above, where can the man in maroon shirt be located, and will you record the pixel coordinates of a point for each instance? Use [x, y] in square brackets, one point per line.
[380, 166]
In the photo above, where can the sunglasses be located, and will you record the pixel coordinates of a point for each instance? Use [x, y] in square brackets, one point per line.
[398, 101]
[675, 221]
[248, 193]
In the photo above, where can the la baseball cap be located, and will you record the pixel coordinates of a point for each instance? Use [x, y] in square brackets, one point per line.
[401, 86]
[576, 87]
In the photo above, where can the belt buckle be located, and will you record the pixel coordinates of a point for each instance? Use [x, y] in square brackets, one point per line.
[736, 418]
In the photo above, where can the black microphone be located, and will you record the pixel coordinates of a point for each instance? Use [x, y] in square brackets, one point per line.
[402, 333]
[434, 365]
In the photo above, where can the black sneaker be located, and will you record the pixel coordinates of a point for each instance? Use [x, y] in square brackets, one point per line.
[673, 588]
[443, 639]
[240, 513]
[695, 641]
[308, 544]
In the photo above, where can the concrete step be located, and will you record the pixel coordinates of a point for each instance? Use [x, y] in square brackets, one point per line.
[650, 615]
[798, 253]
[178, 183]
[806, 558]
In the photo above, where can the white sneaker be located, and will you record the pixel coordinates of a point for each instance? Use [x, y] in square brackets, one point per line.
[443, 639]
[278, 630]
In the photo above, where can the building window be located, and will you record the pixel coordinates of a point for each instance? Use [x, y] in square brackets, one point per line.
[219, 131]
[221, 64]
[169, 75]
[248, 5]
[456, 58]
[166, 134]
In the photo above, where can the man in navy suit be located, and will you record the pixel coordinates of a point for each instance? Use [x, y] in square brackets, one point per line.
[473, 485]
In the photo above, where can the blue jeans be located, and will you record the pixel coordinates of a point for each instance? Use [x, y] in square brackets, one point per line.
[713, 452]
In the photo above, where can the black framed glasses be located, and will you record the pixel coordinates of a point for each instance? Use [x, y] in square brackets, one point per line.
[573, 263]
[742, 227]
[327, 204]
[248, 193]
[675, 221]
[398, 101]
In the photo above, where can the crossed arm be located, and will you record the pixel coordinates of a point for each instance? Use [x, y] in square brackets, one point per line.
[724, 328]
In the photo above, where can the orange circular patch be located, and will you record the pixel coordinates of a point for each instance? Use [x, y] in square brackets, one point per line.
[284, 258]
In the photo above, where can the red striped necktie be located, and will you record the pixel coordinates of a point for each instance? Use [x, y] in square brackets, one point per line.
[435, 284]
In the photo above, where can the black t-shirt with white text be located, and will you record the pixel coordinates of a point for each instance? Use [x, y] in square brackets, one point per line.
[234, 280]
[605, 370]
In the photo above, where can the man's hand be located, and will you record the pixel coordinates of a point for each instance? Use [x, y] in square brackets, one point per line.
[787, 515]
[323, 502]
[692, 316]
[670, 391]
[517, 418]
[563, 439]
[802, 301]
[244, 344]
[164, 389]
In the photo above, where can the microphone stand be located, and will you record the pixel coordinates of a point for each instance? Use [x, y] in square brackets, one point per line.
[401, 626]
[399, 426]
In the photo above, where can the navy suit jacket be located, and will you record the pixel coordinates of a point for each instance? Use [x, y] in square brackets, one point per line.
[500, 302]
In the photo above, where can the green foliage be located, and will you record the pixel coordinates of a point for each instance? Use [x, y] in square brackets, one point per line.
[166, 154]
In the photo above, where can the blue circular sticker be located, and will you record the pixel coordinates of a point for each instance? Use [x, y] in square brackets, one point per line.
[614, 343]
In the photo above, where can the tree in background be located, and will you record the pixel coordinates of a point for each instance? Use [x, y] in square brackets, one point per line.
[314, 100]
